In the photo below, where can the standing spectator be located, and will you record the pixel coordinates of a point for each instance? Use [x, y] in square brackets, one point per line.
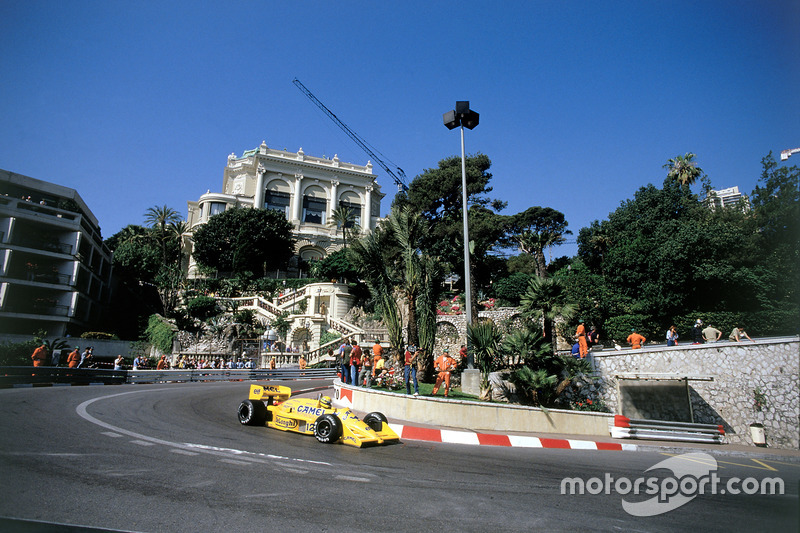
[697, 332]
[366, 369]
[119, 362]
[377, 350]
[355, 364]
[737, 334]
[85, 356]
[272, 363]
[40, 355]
[74, 357]
[635, 340]
[302, 363]
[444, 364]
[410, 369]
[672, 336]
[137, 362]
[580, 335]
[344, 355]
[162, 363]
[711, 334]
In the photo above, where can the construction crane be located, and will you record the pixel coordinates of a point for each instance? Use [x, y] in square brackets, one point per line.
[399, 178]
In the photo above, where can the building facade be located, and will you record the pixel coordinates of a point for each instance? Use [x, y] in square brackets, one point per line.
[306, 189]
[727, 198]
[55, 271]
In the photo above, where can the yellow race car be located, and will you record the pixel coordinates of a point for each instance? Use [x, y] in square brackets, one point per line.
[272, 405]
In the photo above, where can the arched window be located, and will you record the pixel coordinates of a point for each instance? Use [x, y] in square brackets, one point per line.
[314, 204]
[351, 201]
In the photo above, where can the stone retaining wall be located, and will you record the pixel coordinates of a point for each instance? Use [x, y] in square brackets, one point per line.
[732, 371]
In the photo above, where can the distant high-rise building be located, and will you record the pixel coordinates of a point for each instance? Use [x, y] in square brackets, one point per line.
[727, 198]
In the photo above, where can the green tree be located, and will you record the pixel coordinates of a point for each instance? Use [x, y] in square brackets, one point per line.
[159, 217]
[544, 302]
[534, 231]
[344, 218]
[683, 169]
[244, 240]
[484, 339]
[437, 195]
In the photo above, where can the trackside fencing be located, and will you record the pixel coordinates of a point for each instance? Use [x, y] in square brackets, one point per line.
[630, 428]
[11, 376]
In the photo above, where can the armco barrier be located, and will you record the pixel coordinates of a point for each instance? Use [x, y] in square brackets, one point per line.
[11, 376]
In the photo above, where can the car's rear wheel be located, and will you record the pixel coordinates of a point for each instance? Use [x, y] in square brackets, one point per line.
[328, 428]
[375, 420]
[252, 413]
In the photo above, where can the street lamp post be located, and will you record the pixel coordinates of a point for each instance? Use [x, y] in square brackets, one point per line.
[462, 116]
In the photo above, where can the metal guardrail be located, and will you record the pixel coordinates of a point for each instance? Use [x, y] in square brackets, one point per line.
[631, 428]
[43, 375]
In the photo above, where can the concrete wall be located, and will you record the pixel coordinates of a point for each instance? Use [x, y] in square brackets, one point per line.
[478, 416]
[722, 377]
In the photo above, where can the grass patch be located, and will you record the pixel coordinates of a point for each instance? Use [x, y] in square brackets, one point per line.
[426, 389]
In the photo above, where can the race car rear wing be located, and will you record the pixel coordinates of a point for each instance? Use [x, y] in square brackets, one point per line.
[270, 393]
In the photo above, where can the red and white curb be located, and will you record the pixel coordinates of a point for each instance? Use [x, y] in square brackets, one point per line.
[487, 439]
[490, 439]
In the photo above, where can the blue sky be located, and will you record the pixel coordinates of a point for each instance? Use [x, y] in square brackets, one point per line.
[137, 104]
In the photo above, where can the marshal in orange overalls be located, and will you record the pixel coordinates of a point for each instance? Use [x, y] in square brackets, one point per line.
[444, 364]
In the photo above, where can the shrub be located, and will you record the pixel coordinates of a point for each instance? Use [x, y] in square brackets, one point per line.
[17, 353]
[160, 333]
[202, 308]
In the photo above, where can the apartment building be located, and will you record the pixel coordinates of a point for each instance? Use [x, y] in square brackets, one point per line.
[55, 271]
[306, 189]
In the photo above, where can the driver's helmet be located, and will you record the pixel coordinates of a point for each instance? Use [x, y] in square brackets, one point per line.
[325, 402]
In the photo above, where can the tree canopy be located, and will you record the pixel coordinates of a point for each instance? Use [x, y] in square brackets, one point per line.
[244, 240]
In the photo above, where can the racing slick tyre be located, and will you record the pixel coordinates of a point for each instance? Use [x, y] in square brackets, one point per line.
[328, 428]
[252, 413]
[375, 420]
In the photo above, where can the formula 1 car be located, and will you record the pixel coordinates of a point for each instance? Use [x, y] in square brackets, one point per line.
[271, 405]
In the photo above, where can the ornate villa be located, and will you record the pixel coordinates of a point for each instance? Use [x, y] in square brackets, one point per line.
[307, 189]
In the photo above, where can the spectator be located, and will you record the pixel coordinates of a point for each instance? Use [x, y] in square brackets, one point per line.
[162, 363]
[635, 340]
[672, 336]
[711, 334]
[737, 334]
[355, 364]
[697, 332]
[377, 350]
[379, 368]
[580, 336]
[410, 369]
[74, 357]
[85, 358]
[119, 362]
[444, 364]
[593, 338]
[365, 375]
[302, 363]
[272, 363]
[40, 355]
[344, 360]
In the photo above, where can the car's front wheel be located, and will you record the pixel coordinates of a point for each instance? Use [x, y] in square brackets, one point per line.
[328, 428]
[375, 420]
[252, 413]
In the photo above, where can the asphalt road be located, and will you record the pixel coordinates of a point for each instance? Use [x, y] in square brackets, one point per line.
[174, 458]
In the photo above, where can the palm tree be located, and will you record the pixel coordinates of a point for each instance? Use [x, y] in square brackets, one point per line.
[409, 228]
[344, 218]
[683, 169]
[484, 338]
[178, 230]
[366, 255]
[159, 217]
[545, 301]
